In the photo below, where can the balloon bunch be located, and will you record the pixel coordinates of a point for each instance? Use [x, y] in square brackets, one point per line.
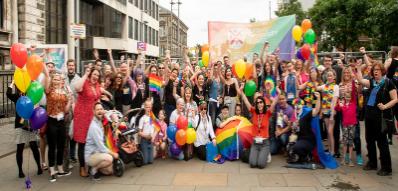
[304, 33]
[28, 69]
[242, 69]
[180, 135]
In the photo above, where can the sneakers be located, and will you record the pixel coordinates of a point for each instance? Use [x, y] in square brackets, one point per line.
[368, 167]
[53, 178]
[351, 164]
[97, 176]
[384, 173]
[359, 160]
[73, 160]
[44, 166]
[61, 174]
[347, 158]
[269, 158]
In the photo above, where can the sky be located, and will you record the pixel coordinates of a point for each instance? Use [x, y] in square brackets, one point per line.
[196, 13]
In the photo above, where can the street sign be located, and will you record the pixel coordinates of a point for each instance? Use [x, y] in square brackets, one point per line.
[78, 31]
[141, 46]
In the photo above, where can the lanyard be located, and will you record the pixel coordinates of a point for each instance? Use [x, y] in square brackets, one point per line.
[259, 122]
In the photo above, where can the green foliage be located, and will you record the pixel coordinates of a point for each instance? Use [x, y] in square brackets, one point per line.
[339, 23]
[292, 8]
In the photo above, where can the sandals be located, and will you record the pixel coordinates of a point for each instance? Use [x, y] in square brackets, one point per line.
[44, 166]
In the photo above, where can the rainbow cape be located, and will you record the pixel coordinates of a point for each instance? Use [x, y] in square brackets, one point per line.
[155, 122]
[270, 81]
[234, 136]
[154, 83]
[110, 141]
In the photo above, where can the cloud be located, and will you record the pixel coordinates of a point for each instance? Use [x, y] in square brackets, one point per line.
[196, 14]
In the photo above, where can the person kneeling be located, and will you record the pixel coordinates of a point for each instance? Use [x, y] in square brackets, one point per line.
[97, 155]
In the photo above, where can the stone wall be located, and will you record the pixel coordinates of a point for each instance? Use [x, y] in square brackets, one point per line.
[31, 16]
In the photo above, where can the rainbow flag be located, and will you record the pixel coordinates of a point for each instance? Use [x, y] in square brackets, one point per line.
[154, 83]
[234, 136]
[110, 141]
[155, 122]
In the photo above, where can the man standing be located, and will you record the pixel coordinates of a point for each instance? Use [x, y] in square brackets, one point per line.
[97, 155]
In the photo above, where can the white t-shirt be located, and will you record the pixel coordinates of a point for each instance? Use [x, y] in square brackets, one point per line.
[173, 117]
[146, 126]
[203, 131]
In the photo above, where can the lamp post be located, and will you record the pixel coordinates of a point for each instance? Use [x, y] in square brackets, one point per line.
[178, 23]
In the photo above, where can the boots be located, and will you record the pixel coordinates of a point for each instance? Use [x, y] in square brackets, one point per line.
[83, 172]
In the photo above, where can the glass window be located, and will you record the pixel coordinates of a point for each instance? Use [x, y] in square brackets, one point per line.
[2, 11]
[136, 29]
[141, 4]
[116, 24]
[131, 28]
[136, 3]
[55, 21]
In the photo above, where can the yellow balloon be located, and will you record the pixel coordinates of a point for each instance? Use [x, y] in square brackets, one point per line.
[205, 58]
[297, 32]
[22, 79]
[191, 135]
[240, 68]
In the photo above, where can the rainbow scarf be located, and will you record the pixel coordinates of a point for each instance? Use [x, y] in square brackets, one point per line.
[154, 83]
[110, 141]
[234, 136]
[155, 122]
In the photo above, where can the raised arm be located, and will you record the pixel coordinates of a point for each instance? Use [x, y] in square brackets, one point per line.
[111, 61]
[79, 84]
[264, 50]
[245, 100]
[360, 79]
[47, 79]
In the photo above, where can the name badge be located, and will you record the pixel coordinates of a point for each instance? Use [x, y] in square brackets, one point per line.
[259, 140]
[290, 96]
[125, 91]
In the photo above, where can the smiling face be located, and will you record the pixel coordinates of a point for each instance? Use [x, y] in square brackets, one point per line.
[119, 79]
[282, 101]
[56, 80]
[154, 70]
[94, 77]
[188, 94]
[201, 80]
[330, 76]
[71, 67]
[260, 104]
[314, 75]
[99, 111]
[228, 73]
[238, 110]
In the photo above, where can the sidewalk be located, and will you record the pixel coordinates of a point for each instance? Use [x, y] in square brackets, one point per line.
[7, 135]
[196, 175]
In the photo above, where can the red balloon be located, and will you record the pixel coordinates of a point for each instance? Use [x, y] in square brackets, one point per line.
[306, 51]
[182, 122]
[19, 55]
[181, 137]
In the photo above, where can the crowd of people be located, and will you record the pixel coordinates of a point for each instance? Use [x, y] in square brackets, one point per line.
[340, 93]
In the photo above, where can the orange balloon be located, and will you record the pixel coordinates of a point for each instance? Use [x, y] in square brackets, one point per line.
[181, 137]
[34, 66]
[205, 48]
[305, 25]
[249, 71]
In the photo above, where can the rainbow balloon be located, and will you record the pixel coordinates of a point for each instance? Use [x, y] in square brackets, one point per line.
[271, 85]
[235, 135]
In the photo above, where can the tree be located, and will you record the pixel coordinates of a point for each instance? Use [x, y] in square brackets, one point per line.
[340, 23]
[382, 20]
[292, 8]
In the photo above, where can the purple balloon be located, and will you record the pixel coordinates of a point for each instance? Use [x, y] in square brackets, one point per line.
[175, 150]
[298, 55]
[38, 119]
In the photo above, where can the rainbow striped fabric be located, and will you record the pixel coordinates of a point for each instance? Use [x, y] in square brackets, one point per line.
[155, 122]
[234, 136]
[110, 141]
[154, 83]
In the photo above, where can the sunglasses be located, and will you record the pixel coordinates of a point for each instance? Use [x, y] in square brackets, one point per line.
[161, 68]
[259, 102]
[203, 109]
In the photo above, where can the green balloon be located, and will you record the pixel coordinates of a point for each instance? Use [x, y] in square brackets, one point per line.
[35, 92]
[200, 63]
[250, 88]
[309, 36]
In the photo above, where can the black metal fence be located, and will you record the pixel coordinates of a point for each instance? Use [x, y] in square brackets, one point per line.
[7, 108]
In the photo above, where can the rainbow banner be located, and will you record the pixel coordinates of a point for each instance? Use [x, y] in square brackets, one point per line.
[243, 39]
[235, 135]
[154, 83]
[110, 141]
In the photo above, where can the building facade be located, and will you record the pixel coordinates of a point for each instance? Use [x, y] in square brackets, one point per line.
[305, 4]
[172, 33]
[110, 24]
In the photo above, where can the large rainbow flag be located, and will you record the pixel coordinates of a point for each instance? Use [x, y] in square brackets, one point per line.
[243, 39]
[155, 83]
[110, 141]
[234, 136]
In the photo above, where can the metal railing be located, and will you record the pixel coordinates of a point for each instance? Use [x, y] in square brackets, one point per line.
[7, 108]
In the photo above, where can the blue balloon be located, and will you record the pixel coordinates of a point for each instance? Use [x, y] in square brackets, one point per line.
[298, 55]
[171, 132]
[24, 107]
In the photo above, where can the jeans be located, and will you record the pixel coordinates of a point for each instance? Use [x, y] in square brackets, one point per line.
[279, 142]
[213, 112]
[259, 154]
[56, 135]
[147, 151]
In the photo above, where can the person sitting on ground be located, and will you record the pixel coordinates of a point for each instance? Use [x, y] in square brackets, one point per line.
[97, 155]
[224, 115]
